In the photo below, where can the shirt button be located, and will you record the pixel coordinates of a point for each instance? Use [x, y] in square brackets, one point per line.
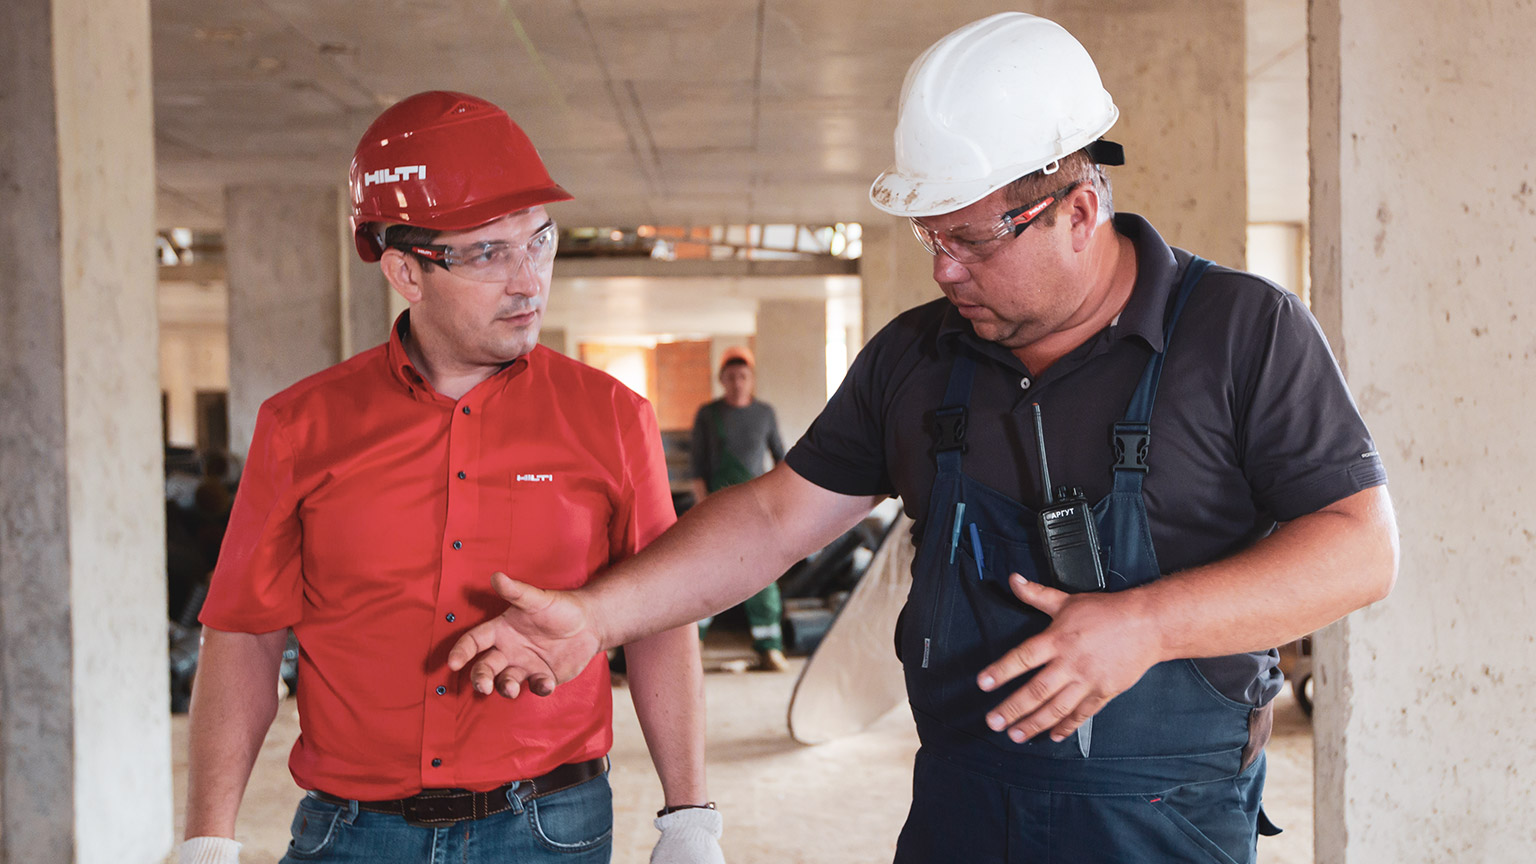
[1024, 383]
[462, 475]
[437, 763]
[458, 544]
[466, 409]
[449, 616]
[441, 690]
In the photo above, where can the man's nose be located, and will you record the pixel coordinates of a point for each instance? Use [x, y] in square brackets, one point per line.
[947, 270]
[524, 278]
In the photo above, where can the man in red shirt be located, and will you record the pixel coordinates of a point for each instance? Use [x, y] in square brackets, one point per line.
[380, 496]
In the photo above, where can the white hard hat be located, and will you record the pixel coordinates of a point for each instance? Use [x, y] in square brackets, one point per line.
[989, 103]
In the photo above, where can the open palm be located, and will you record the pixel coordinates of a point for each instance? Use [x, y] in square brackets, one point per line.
[544, 638]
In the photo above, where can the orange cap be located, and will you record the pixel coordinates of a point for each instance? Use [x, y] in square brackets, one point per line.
[738, 352]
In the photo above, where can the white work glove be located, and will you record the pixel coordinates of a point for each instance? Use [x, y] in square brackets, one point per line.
[690, 836]
[209, 850]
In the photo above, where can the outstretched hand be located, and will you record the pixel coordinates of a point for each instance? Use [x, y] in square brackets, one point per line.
[544, 638]
[1097, 647]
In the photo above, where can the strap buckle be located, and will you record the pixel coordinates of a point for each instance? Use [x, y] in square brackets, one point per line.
[949, 432]
[1131, 442]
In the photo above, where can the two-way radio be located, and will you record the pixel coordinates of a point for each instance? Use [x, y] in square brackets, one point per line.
[1068, 530]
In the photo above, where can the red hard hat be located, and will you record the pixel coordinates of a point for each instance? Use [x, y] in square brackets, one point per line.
[445, 161]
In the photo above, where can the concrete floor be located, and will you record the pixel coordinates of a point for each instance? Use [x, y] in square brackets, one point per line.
[837, 803]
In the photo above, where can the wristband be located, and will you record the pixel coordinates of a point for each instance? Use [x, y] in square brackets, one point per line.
[665, 810]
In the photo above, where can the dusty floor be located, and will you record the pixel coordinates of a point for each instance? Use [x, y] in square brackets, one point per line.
[837, 803]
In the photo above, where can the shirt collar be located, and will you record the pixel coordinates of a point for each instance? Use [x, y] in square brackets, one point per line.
[1143, 314]
[400, 365]
[404, 371]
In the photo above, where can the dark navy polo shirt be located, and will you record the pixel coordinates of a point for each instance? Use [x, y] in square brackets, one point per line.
[1253, 424]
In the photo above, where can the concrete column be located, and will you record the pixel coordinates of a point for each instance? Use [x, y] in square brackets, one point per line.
[366, 301]
[1423, 214]
[85, 774]
[1176, 70]
[365, 292]
[284, 293]
[792, 362]
[895, 273]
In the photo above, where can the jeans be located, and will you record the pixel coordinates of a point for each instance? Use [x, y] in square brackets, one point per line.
[573, 825]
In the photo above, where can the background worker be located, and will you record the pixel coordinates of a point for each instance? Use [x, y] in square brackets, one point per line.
[734, 438]
[1238, 500]
[379, 497]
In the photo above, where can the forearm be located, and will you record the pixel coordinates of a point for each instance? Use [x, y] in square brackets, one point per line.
[234, 700]
[667, 683]
[719, 554]
[1308, 573]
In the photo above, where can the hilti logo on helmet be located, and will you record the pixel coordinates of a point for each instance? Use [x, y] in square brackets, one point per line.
[395, 175]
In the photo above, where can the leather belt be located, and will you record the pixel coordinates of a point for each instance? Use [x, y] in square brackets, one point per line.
[434, 807]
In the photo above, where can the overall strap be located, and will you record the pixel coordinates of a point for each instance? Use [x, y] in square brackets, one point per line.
[949, 419]
[1133, 433]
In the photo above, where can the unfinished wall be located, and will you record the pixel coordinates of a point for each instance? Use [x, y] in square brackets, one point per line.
[1424, 238]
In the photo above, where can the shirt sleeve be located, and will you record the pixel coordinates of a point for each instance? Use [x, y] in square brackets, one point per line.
[258, 584]
[1303, 442]
[646, 510]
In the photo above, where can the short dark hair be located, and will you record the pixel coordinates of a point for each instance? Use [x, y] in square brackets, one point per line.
[1073, 167]
[411, 235]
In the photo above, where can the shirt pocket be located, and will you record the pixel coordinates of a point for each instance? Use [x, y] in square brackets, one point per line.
[557, 526]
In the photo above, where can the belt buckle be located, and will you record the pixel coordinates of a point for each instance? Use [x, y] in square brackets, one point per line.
[432, 810]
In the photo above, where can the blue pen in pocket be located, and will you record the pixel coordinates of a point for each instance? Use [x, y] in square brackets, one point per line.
[981, 564]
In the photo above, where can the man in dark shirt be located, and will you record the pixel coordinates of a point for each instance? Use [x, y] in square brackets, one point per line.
[1219, 494]
[733, 439]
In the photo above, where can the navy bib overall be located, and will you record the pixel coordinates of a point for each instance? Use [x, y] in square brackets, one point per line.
[1163, 779]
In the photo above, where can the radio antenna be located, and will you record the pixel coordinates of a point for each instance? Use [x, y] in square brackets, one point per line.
[1045, 471]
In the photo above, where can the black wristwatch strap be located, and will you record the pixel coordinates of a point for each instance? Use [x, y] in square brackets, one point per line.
[665, 810]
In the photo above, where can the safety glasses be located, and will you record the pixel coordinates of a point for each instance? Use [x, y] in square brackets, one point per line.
[977, 246]
[492, 260]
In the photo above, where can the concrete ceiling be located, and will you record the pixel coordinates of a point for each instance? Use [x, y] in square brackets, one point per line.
[671, 111]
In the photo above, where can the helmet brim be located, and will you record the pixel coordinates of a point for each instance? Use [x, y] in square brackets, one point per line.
[900, 195]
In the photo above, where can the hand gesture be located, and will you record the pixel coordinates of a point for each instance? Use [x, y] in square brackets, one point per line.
[544, 638]
[1097, 647]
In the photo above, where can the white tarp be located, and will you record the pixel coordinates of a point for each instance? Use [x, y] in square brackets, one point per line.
[854, 678]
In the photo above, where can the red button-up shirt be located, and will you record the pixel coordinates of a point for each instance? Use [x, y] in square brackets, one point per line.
[371, 514]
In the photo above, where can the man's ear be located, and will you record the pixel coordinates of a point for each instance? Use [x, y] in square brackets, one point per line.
[404, 274]
[1081, 207]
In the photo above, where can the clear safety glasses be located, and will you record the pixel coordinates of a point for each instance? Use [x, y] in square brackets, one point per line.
[492, 260]
[981, 245]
